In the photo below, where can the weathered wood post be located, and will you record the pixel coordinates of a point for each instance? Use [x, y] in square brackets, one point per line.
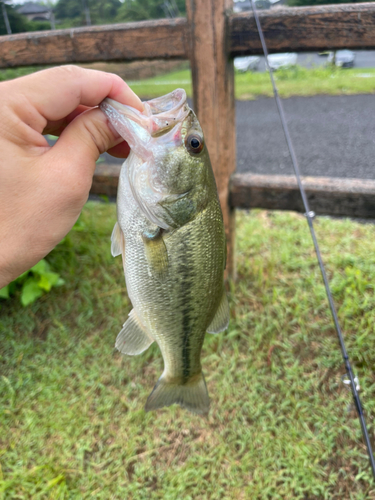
[213, 92]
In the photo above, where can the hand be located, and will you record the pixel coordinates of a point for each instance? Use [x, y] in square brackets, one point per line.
[43, 188]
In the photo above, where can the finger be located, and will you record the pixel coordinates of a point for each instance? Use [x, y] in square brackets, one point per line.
[57, 127]
[67, 87]
[82, 141]
[122, 150]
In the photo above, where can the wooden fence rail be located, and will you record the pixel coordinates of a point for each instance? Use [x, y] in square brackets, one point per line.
[291, 29]
[327, 196]
[210, 37]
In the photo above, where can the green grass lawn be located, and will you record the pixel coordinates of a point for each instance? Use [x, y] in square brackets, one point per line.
[295, 81]
[291, 82]
[282, 424]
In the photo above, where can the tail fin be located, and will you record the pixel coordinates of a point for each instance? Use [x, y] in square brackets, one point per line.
[191, 395]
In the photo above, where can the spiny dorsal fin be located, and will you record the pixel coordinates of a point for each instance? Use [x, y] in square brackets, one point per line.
[133, 338]
[221, 318]
[118, 242]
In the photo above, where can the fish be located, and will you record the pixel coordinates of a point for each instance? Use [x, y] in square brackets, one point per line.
[171, 236]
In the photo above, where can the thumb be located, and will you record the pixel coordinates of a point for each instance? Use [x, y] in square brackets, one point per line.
[85, 139]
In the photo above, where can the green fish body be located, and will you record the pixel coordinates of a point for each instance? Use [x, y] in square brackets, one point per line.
[171, 237]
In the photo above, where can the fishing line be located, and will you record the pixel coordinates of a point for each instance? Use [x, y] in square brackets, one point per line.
[309, 217]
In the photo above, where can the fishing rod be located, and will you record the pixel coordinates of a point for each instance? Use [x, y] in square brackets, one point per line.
[309, 217]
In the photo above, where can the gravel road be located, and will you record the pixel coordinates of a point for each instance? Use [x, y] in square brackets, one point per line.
[333, 136]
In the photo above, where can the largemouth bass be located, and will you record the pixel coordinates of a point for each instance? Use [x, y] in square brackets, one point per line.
[171, 237]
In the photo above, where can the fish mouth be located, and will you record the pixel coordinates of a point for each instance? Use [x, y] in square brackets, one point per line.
[158, 116]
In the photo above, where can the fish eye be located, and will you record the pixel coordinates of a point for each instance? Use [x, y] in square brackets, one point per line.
[194, 143]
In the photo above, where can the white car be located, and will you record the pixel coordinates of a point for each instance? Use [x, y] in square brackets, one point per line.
[246, 63]
[343, 58]
[284, 60]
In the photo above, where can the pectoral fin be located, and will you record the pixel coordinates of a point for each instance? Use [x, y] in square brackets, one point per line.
[133, 338]
[221, 318]
[156, 252]
[117, 241]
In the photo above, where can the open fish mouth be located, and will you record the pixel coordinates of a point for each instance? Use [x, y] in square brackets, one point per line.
[158, 117]
[155, 134]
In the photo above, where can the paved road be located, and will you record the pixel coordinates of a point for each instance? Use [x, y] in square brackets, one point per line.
[334, 136]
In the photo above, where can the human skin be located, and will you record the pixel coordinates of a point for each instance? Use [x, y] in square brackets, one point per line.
[43, 188]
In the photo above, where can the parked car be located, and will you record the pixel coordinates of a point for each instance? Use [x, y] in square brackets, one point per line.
[343, 58]
[246, 63]
[285, 60]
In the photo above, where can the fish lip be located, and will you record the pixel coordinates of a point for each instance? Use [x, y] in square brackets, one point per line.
[159, 114]
[158, 106]
[167, 104]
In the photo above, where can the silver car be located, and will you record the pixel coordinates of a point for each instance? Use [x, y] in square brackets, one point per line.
[246, 63]
[343, 58]
[283, 60]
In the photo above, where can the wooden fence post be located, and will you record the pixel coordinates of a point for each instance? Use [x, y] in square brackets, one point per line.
[213, 92]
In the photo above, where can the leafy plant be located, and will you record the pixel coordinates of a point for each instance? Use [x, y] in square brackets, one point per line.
[40, 278]
[33, 283]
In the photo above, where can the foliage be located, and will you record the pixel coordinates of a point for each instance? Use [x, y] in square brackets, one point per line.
[38, 25]
[11, 73]
[71, 11]
[282, 424]
[40, 278]
[140, 10]
[33, 283]
[18, 23]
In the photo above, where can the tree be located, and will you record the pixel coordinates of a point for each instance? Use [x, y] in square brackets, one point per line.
[73, 11]
[17, 22]
[5, 18]
[140, 10]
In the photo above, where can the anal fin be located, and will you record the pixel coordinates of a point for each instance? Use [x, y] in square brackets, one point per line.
[221, 318]
[133, 338]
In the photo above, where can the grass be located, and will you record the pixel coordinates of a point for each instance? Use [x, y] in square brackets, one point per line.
[300, 81]
[296, 81]
[11, 73]
[281, 426]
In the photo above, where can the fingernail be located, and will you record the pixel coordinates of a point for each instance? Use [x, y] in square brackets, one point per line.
[134, 100]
